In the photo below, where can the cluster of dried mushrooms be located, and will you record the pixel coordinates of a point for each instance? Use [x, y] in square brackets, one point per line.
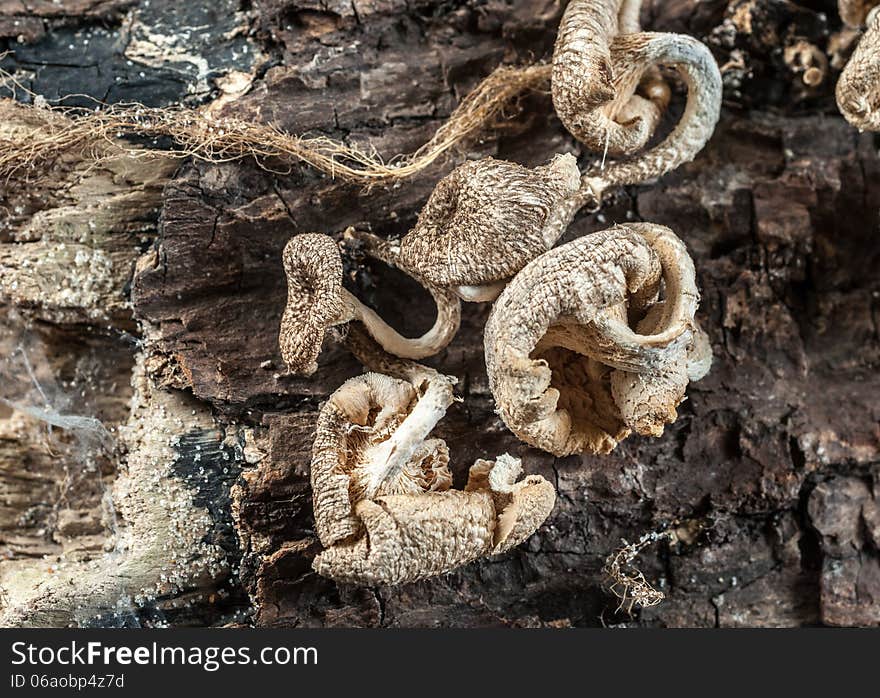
[586, 342]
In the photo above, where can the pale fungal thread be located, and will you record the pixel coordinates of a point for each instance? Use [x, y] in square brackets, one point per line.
[858, 89]
[204, 137]
[582, 348]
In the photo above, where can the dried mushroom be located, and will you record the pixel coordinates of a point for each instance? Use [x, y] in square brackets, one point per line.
[317, 300]
[858, 89]
[486, 220]
[371, 440]
[601, 62]
[483, 223]
[596, 339]
[854, 12]
[407, 537]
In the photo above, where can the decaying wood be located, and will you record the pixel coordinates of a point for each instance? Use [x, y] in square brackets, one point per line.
[771, 470]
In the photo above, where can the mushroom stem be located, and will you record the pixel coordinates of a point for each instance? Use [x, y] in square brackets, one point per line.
[480, 294]
[628, 17]
[448, 306]
[388, 458]
[441, 333]
[636, 53]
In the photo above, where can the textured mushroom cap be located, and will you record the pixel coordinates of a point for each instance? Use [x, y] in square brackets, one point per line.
[567, 371]
[583, 77]
[315, 300]
[563, 409]
[523, 506]
[411, 537]
[364, 412]
[858, 89]
[854, 12]
[594, 87]
[486, 220]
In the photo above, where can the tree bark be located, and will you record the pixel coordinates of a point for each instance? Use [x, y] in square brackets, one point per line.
[771, 473]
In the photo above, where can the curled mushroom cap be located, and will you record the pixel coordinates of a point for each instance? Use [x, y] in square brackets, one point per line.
[407, 537]
[486, 220]
[600, 61]
[594, 98]
[371, 440]
[317, 300]
[568, 371]
[858, 89]
[855, 12]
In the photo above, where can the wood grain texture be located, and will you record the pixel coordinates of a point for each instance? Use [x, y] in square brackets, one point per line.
[776, 453]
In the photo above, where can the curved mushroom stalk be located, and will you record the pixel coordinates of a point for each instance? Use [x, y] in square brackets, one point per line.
[568, 372]
[595, 98]
[858, 89]
[317, 300]
[407, 537]
[485, 221]
[371, 440]
[600, 61]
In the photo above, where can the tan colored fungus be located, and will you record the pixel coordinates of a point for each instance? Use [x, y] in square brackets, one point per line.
[600, 61]
[486, 220]
[597, 338]
[854, 12]
[407, 537]
[371, 440]
[858, 89]
[807, 61]
[317, 300]
[595, 102]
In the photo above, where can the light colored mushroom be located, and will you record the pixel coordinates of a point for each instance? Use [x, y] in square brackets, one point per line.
[317, 300]
[854, 12]
[483, 223]
[568, 372]
[407, 537]
[598, 104]
[807, 61]
[598, 66]
[858, 89]
[371, 440]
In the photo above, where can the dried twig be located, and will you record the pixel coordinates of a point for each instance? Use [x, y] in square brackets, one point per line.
[627, 582]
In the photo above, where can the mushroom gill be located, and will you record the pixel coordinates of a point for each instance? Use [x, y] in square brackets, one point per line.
[596, 338]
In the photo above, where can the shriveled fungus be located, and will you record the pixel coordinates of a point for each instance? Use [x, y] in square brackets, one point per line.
[316, 301]
[600, 62]
[858, 89]
[483, 223]
[383, 506]
[371, 440]
[568, 371]
[486, 220]
[407, 537]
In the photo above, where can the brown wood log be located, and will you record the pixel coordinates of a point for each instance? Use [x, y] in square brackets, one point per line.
[771, 471]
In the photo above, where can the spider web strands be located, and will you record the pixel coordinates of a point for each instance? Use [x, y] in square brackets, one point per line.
[198, 135]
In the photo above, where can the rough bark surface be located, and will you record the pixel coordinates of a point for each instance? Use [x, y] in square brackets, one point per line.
[773, 465]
